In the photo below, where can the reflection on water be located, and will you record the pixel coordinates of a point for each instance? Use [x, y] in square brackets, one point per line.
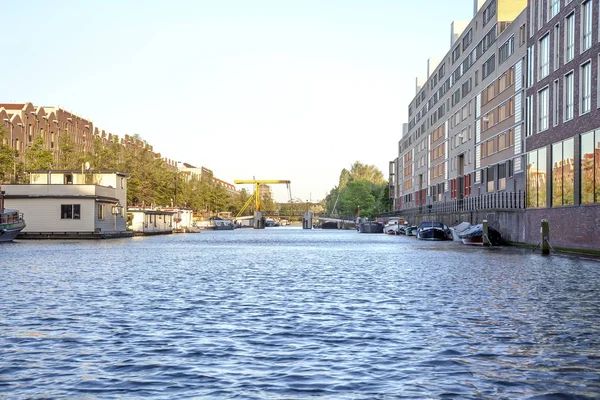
[287, 313]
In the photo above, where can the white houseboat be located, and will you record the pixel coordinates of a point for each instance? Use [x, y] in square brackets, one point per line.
[71, 204]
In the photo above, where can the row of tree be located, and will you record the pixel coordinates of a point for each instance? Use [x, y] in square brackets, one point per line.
[152, 181]
[362, 187]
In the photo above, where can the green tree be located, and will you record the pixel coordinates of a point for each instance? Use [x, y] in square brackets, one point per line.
[38, 158]
[8, 158]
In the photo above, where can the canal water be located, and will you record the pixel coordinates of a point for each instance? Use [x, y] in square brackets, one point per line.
[285, 313]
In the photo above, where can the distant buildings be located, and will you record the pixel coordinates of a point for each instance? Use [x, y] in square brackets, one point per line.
[23, 122]
[506, 126]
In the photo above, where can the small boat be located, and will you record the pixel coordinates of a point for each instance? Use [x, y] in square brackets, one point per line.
[458, 229]
[222, 224]
[393, 225]
[11, 224]
[431, 230]
[474, 236]
[370, 227]
[269, 223]
[410, 231]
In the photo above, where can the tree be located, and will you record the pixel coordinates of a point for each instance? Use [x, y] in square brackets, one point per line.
[363, 185]
[8, 157]
[357, 193]
[38, 158]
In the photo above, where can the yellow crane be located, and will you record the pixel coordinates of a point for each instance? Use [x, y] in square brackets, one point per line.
[257, 183]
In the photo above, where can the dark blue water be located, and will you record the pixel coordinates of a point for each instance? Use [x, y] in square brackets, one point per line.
[290, 314]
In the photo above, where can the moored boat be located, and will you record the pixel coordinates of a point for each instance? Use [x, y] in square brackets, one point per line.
[222, 224]
[458, 229]
[474, 236]
[11, 222]
[370, 227]
[393, 225]
[431, 230]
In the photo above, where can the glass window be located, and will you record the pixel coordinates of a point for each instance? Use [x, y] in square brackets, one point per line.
[590, 168]
[542, 110]
[586, 88]
[490, 179]
[502, 176]
[586, 25]
[570, 37]
[544, 55]
[100, 211]
[70, 211]
[554, 8]
[562, 173]
[569, 95]
[536, 179]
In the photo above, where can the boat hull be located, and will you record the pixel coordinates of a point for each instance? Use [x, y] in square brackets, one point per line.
[432, 234]
[9, 232]
[370, 227]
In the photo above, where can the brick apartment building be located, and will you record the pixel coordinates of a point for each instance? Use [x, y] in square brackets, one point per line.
[563, 121]
[461, 156]
[24, 122]
[513, 134]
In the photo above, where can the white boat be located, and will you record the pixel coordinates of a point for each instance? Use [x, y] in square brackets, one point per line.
[392, 226]
[458, 229]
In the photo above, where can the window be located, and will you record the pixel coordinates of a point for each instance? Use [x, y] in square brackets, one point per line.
[530, 65]
[70, 211]
[502, 176]
[544, 57]
[586, 88]
[586, 25]
[467, 39]
[522, 35]
[455, 54]
[100, 211]
[122, 183]
[506, 50]
[590, 168]
[542, 110]
[570, 37]
[563, 174]
[529, 115]
[556, 47]
[554, 8]
[488, 67]
[489, 12]
[490, 179]
[555, 103]
[568, 96]
[536, 179]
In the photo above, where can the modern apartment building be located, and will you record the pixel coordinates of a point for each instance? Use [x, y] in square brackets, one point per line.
[563, 122]
[461, 156]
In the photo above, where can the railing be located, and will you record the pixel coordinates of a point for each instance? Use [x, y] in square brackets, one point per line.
[500, 201]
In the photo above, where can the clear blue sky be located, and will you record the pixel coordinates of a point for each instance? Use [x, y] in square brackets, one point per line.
[276, 89]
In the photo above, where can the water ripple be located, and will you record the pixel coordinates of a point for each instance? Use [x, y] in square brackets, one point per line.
[292, 314]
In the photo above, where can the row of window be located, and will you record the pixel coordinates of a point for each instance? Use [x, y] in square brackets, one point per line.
[498, 143]
[563, 166]
[498, 86]
[568, 99]
[73, 211]
[567, 43]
